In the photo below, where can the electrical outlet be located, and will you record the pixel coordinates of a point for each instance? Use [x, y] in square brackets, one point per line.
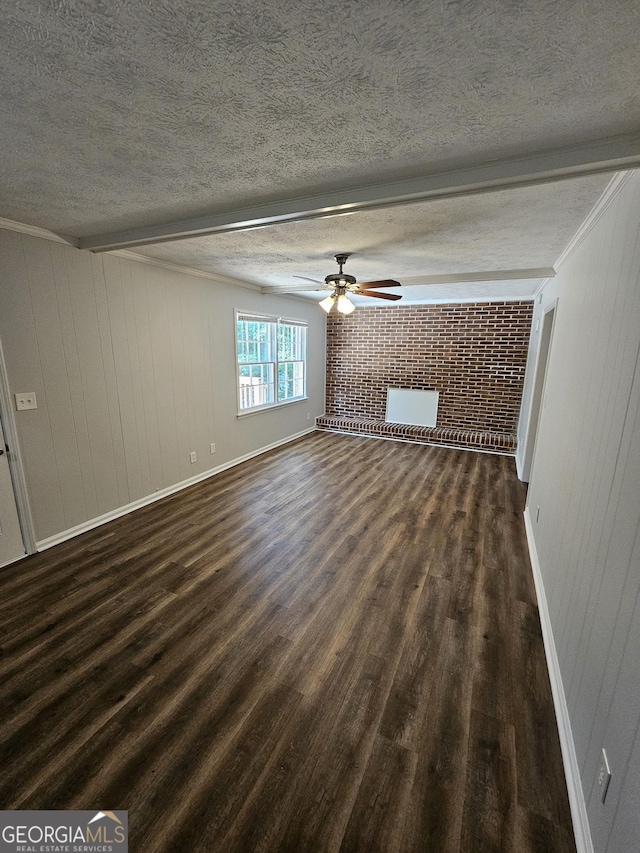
[604, 776]
[192, 456]
[308, 416]
[26, 400]
[212, 447]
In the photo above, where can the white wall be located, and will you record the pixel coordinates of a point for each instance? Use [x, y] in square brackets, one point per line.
[586, 480]
[133, 367]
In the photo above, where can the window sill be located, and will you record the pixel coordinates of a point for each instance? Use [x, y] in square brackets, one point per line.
[270, 408]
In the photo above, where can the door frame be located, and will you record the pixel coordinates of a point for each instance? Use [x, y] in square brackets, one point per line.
[14, 457]
[547, 327]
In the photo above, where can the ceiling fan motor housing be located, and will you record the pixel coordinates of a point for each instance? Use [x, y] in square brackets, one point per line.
[340, 279]
[344, 285]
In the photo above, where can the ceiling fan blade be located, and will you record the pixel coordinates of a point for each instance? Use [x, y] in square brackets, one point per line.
[391, 296]
[385, 282]
[299, 287]
[306, 278]
[295, 288]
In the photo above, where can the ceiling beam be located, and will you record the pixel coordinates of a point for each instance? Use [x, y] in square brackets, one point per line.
[604, 155]
[491, 275]
[450, 278]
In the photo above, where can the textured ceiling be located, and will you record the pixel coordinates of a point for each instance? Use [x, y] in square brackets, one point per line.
[136, 112]
[512, 229]
[133, 113]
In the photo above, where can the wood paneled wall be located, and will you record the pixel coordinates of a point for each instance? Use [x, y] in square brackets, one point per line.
[586, 482]
[133, 368]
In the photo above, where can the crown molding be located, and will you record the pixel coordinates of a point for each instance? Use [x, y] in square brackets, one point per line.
[612, 189]
[34, 231]
[541, 287]
[44, 234]
[178, 268]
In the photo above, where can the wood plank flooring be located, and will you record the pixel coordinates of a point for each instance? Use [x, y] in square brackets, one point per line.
[332, 647]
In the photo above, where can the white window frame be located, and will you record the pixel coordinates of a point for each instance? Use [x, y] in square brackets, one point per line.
[273, 361]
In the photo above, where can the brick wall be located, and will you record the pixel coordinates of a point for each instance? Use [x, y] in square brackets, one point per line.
[473, 354]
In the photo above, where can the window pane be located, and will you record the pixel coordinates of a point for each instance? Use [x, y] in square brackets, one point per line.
[256, 385]
[291, 342]
[269, 351]
[282, 380]
[281, 343]
[290, 380]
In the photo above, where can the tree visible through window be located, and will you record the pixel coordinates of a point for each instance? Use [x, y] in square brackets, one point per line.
[271, 358]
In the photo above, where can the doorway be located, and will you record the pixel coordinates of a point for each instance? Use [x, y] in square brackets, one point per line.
[537, 397]
[11, 544]
[16, 532]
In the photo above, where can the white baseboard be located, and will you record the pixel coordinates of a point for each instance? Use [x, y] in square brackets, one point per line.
[57, 538]
[13, 560]
[571, 768]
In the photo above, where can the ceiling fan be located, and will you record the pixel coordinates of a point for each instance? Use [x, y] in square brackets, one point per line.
[341, 284]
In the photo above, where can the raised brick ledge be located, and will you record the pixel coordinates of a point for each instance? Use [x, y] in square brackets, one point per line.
[475, 439]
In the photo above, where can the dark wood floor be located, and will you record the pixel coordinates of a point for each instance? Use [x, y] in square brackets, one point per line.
[332, 647]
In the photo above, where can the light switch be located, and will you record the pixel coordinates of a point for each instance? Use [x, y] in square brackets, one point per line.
[26, 400]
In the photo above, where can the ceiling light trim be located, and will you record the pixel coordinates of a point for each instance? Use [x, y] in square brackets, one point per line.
[604, 155]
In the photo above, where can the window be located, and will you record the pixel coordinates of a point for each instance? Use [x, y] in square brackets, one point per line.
[271, 357]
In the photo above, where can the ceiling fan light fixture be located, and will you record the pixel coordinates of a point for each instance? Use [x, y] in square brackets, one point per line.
[345, 305]
[328, 303]
[342, 285]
